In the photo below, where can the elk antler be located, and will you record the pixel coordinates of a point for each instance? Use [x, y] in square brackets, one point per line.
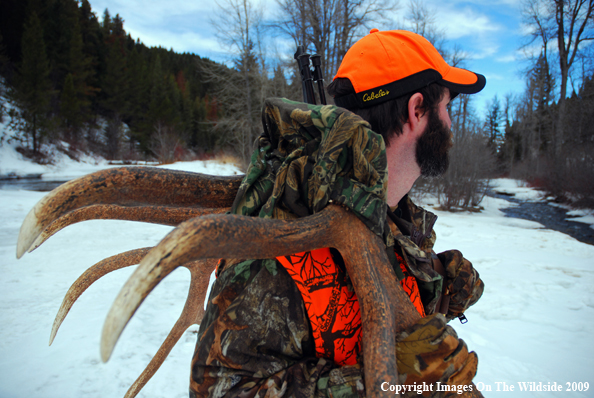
[169, 197]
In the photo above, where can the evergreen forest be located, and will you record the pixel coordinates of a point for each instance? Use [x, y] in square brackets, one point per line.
[78, 79]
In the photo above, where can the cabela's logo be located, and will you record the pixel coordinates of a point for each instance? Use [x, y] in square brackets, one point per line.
[372, 96]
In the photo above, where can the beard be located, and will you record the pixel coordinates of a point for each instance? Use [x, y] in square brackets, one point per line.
[433, 146]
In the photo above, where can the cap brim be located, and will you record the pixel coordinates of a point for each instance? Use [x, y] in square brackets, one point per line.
[463, 81]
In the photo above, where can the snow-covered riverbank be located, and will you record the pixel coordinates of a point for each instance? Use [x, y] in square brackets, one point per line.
[533, 324]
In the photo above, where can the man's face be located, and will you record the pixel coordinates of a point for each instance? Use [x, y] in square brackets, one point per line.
[432, 152]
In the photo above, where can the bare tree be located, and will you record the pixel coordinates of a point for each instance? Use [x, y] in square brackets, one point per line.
[423, 21]
[329, 27]
[239, 90]
[164, 143]
[570, 23]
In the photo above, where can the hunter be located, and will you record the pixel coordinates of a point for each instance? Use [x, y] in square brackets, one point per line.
[291, 326]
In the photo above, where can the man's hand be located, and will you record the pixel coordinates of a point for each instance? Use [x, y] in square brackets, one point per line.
[430, 351]
[462, 282]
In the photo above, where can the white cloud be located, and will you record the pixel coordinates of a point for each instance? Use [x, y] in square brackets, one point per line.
[493, 76]
[185, 41]
[507, 58]
[455, 20]
[179, 24]
[509, 3]
[466, 22]
[485, 51]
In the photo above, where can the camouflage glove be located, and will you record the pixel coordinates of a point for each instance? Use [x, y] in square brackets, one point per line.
[462, 282]
[431, 352]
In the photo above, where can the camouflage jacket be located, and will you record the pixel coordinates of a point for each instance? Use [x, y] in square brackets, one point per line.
[255, 339]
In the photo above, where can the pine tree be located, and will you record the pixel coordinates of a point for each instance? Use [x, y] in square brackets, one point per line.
[137, 76]
[106, 25]
[70, 110]
[200, 131]
[75, 90]
[158, 106]
[114, 85]
[90, 31]
[58, 22]
[174, 96]
[33, 88]
[543, 83]
[279, 85]
[3, 62]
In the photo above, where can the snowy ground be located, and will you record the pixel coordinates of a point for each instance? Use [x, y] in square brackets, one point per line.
[535, 320]
[533, 324]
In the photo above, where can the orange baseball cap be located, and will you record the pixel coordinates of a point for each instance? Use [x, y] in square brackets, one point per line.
[389, 64]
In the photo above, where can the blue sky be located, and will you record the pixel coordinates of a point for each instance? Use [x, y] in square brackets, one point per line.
[490, 32]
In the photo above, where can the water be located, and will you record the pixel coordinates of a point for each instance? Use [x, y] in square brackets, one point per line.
[550, 217]
[30, 184]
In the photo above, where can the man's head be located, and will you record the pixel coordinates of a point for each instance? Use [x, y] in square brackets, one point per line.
[381, 74]
[387, 117]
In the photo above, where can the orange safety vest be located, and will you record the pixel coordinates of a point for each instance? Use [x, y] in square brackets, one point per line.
[332, 305]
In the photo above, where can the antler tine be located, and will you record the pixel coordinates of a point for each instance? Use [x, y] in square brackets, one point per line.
[163, 215]
[380, 296]
[125, 259]
[209, 237]
[200, 271]
[191, 314]
[91, 275]
[127, 186]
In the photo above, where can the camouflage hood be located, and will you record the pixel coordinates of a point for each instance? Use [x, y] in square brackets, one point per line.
[309, 155]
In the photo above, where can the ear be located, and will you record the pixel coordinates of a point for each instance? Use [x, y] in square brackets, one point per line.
[416, 113]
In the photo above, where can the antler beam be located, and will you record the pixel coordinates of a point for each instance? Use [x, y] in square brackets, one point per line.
[126, 193]
[382, 300]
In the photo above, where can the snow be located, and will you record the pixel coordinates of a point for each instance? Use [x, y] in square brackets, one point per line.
[14, 165]
[534, 322]
[582, 215]
[518, 189]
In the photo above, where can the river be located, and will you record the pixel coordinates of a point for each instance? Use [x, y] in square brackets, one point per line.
[550, 216]
[30, 184]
